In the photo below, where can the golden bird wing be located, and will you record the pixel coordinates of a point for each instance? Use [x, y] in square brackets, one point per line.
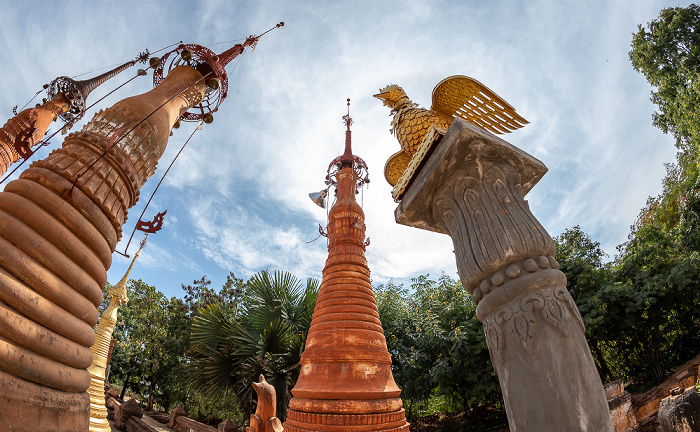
[464, 97]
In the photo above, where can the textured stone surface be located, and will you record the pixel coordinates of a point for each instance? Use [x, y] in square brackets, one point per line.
[622, 412]
[227, 426]
[472, 188]
[646, 405]
[680, 413]
[185, 424]
[345, 382]
[130, 408]
[174, 414]
[135, 424]
[59, 224]
[613, 388]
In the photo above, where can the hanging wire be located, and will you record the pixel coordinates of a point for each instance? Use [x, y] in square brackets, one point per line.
[120, 86]
[45, 142]
[30, 100]
[164, 48]
[225, 42]
[126, 249]
[317, 237]
[96, 70]
[117, 64]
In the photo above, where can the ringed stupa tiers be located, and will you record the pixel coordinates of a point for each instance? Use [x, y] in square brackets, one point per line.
[345, 382]
[59, 225]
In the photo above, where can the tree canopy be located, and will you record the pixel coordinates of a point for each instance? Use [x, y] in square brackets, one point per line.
[667, 52]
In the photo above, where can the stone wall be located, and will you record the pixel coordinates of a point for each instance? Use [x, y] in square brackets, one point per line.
[620, 404]
[135, 424]
[639, 412]
[184, 424]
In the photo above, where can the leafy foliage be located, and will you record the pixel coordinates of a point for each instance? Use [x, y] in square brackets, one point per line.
[437, 344]
[668, 54]
[232, 346]
[641, 310]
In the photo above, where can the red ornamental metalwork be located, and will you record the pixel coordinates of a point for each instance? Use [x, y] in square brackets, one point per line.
[348, 159]
[22, 144]
[77, 91]
[210, 65]
[153, 226]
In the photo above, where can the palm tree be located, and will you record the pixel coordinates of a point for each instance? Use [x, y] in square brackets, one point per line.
[232, 346]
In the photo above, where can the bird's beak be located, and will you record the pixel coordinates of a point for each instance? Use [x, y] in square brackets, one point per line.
[384, 97]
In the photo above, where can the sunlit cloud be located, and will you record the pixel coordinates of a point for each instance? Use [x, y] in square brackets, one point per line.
[237, 196]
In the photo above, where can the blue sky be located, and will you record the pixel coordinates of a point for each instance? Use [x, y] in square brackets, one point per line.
[237, 196]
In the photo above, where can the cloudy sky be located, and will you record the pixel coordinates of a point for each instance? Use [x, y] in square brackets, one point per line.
[237, 196]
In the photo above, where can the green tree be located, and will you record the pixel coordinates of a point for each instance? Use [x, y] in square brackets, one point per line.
[581, 259]
[141, 340]
[668, 54]
[437, 344]
[232, 346]
[656, 294]
[641, 310]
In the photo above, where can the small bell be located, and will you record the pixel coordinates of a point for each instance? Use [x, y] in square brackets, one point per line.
[186, 55]
[214, 84]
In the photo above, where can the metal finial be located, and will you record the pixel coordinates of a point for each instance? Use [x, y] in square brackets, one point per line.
[77, 91]
[347, 159]
[346, 118]
[211, 66]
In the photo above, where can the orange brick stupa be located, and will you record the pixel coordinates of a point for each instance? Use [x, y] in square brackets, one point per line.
[59, 224]
[345, 382]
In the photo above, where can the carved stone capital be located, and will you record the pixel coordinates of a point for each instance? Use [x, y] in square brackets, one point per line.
[483, 209]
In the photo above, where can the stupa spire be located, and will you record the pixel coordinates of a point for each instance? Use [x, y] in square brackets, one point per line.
[66, 98]
[345, 379]
[100, 349]
[213, 70]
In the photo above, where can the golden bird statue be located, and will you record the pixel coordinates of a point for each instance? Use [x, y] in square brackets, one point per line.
[455, 96]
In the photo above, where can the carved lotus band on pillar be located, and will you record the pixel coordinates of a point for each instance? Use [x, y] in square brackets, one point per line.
[502, 229]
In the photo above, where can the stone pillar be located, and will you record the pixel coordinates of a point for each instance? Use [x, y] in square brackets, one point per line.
[472, 188]
[59, 224]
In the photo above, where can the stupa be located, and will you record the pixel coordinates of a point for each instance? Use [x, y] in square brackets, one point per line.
[66, 99]
[345, 382]
[61, 221]
[100, 349]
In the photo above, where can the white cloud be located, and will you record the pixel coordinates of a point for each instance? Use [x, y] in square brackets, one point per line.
[237, 196]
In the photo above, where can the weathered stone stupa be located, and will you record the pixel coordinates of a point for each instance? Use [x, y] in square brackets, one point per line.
[345, 383]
